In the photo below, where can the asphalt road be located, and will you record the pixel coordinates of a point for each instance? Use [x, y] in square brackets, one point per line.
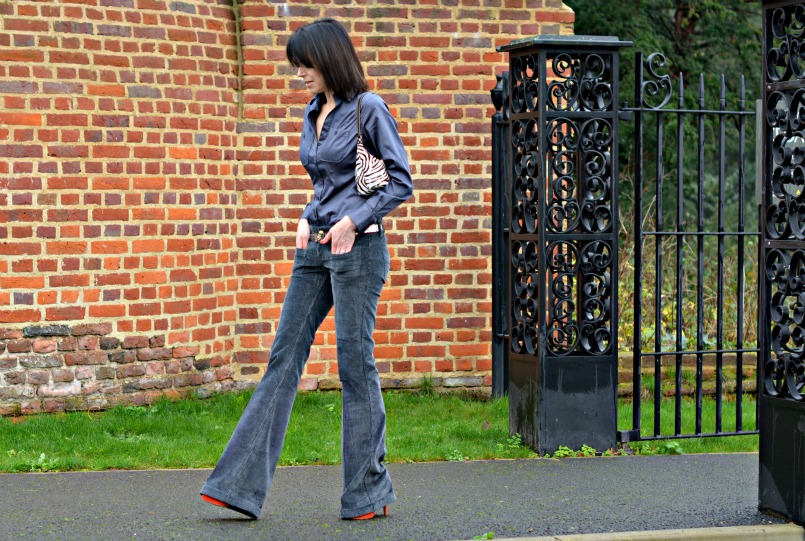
[436, 501]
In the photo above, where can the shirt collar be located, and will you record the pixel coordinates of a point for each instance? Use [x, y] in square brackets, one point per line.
[319, 100]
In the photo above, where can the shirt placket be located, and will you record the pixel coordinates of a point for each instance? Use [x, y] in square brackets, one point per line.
[321, 167]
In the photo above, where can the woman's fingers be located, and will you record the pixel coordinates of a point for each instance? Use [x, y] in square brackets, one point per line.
[341, 236]
[302, 234]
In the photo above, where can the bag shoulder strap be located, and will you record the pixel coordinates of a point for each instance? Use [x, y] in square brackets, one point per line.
[358, 115]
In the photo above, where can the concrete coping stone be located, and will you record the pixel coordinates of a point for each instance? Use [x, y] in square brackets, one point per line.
[767, 532]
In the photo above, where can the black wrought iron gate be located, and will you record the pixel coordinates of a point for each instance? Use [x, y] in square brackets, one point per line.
[556, 249]
[781, 400]
[694, 240]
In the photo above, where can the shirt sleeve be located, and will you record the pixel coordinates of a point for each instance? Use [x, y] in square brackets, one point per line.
[306, 213]
[382, 138]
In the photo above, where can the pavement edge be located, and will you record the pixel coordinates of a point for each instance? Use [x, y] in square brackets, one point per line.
[769, 532]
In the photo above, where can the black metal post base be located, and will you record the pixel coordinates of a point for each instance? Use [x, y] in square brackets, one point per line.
[564, 402]
[782, 458]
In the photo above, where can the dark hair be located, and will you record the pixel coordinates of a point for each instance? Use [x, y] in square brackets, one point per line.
[325, 46]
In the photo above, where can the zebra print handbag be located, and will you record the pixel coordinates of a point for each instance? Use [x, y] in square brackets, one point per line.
[370, 172]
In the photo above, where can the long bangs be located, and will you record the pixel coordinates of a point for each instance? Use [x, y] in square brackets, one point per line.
[325, 46]
[298, 51]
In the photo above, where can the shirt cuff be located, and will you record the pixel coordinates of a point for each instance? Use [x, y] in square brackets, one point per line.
[362, 218]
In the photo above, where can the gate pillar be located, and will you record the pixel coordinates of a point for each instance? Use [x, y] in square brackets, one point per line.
[562, 173]
[781, 373]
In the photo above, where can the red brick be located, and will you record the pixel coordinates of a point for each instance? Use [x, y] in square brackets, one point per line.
[153, 277]
[176, 34]
[106, 90]
[99, 329]
[25, 25]
[131, 370]
[19, 248]
[65, 57]
[89, 343]
[21, 119]
[19, 346]
[147, 354]
[86, 358]
[22, 282]
[134, 342]
[69, 313]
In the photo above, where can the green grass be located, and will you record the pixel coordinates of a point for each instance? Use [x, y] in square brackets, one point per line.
[192, 433]
[731, 444]
[169, 434]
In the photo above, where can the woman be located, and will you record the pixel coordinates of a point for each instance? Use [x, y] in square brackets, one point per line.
[341, 260]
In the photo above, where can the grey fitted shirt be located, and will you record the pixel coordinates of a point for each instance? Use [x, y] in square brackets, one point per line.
[330, 162]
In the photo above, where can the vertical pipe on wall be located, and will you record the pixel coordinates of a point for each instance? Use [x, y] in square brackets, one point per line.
[500, 244]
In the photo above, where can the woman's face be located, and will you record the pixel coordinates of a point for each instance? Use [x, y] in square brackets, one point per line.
[314, 80]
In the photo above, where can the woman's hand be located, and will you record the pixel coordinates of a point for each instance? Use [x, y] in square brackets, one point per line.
[302, 234]
[341, 236]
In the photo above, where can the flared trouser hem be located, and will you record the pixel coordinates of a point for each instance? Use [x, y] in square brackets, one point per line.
[239, 504]
[388, 499]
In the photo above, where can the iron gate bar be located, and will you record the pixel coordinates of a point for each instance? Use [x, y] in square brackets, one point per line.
[645, 89]
[680, 217]
[637, 337]
[741, 293]
[722, 134]
[702, 234]
[706, 111]
[700, 260]
[697, 352]
[658, 277]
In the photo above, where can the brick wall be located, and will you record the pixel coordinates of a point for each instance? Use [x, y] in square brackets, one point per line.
[151, 188]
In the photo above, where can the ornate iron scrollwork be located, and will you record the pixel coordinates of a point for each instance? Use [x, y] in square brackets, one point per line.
[596, 142]
[562, 265]
[562, 147]
[525, 88]
[596, 87]
[784, 217]
[581, 83]
[525, 298]
[526, 164]
[784, 59]
[655, 86]
[587, 205]
[562, 202]
[596, 283]
[784, 371]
